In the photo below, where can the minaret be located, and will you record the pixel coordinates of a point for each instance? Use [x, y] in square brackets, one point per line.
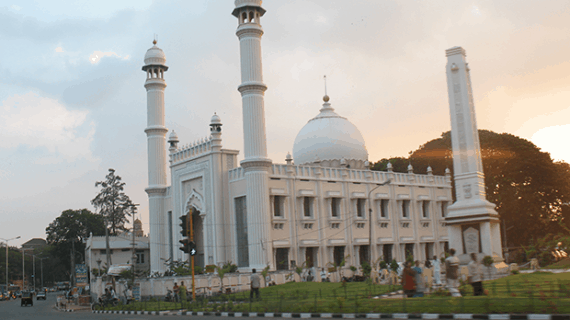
[473, 223]
[154, 66]
[255, 163]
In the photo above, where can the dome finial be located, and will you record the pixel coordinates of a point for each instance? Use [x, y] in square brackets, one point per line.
[154, 41]
[326, 97]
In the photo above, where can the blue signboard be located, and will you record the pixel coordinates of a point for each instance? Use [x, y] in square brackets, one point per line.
[81, 274]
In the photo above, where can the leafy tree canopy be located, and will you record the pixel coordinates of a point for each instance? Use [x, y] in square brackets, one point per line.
[113, 204]
[72, 226]
[529, 189]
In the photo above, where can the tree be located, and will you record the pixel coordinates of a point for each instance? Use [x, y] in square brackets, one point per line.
[71, 226]
[528, 188]
[113, 204]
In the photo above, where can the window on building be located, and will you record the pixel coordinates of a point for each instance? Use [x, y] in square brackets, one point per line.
[338, 255]
[278, 206]
[307, 206]
[282, 258]
[409, 251]
[104, 251]
[335, 207]
[364, 254]
[387, 252]
[444, 209]
[425, 209]
[361, 208]
[405, 208]
[241, 232]
[140, 257]
[384, 208]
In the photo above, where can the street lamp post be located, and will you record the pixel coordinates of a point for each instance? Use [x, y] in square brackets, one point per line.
[23, 269]
[42, 270]
[6, 241]
[370, 218]
[134, 256]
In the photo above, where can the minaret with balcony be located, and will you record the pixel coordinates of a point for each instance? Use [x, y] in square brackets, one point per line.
[155, 67]
[256, 163]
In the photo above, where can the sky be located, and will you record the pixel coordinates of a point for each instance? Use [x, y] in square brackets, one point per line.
[73, 104]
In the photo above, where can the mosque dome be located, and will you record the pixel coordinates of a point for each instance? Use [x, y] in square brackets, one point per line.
[154, 55]
[327, 139]
[216, 119]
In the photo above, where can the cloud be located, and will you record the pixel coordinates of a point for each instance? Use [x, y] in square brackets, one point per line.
[15, 7]
[97, 55]
[32, 121]
[59, 49]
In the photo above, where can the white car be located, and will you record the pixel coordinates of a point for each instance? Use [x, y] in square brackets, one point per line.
[41, 295]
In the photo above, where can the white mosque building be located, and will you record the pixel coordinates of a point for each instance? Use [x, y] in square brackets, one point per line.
[321, 205]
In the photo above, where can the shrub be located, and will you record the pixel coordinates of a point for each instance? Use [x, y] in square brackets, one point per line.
[366, 269]
[383, 265]
[394, 265]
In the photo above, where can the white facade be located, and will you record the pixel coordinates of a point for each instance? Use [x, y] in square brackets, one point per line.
[473, 221]
[259, 213]
[121, 251]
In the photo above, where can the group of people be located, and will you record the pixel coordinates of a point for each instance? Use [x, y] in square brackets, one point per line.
[180, 292]
[414, 284]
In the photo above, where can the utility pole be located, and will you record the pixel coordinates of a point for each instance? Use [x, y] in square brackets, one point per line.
[134, 257]
[191, 231]
[34, 271]
[6, 241]
[370, 218]
[23, 269]
[73, 262]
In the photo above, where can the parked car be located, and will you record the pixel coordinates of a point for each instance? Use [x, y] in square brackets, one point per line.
[4, 296]
[27, 299]
[41, 295]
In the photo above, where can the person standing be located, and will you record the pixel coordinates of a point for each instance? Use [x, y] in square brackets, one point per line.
[176, 290]
[452, 273]
[436, 270]
[474, 268]
[408, 283]
[418, 278]
[182, 290]
[255, 284]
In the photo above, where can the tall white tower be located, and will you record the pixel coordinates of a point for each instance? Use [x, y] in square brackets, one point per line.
[154, 66]
[255, 163]
[473, 223]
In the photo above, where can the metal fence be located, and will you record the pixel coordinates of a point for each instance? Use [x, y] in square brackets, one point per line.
[529, 297]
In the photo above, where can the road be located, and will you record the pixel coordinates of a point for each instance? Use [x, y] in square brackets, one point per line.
[11, 310]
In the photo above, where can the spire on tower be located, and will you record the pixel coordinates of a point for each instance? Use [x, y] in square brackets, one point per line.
[326, 97]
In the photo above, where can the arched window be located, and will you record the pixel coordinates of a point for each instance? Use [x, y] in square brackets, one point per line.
[244, 17]
[251, 18]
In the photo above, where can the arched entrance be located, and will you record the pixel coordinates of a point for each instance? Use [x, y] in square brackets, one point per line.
[195, 204]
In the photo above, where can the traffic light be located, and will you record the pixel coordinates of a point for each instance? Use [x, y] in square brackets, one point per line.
[188, 246]
[185, 245]
[184, 225]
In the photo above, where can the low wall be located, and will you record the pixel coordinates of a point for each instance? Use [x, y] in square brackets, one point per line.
[205, 284]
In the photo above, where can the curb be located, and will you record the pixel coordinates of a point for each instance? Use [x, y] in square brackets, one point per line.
[430, 316]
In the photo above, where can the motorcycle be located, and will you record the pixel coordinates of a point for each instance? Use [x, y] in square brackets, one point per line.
[169, 297]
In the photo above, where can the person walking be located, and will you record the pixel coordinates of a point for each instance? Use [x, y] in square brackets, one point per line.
[418, 279]
[176, 290]
[436, 270]
[408, 283]
[255, 284]
[452, 273]
[474, 268]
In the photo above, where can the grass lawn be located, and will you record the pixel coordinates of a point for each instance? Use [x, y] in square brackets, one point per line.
[538, 292]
